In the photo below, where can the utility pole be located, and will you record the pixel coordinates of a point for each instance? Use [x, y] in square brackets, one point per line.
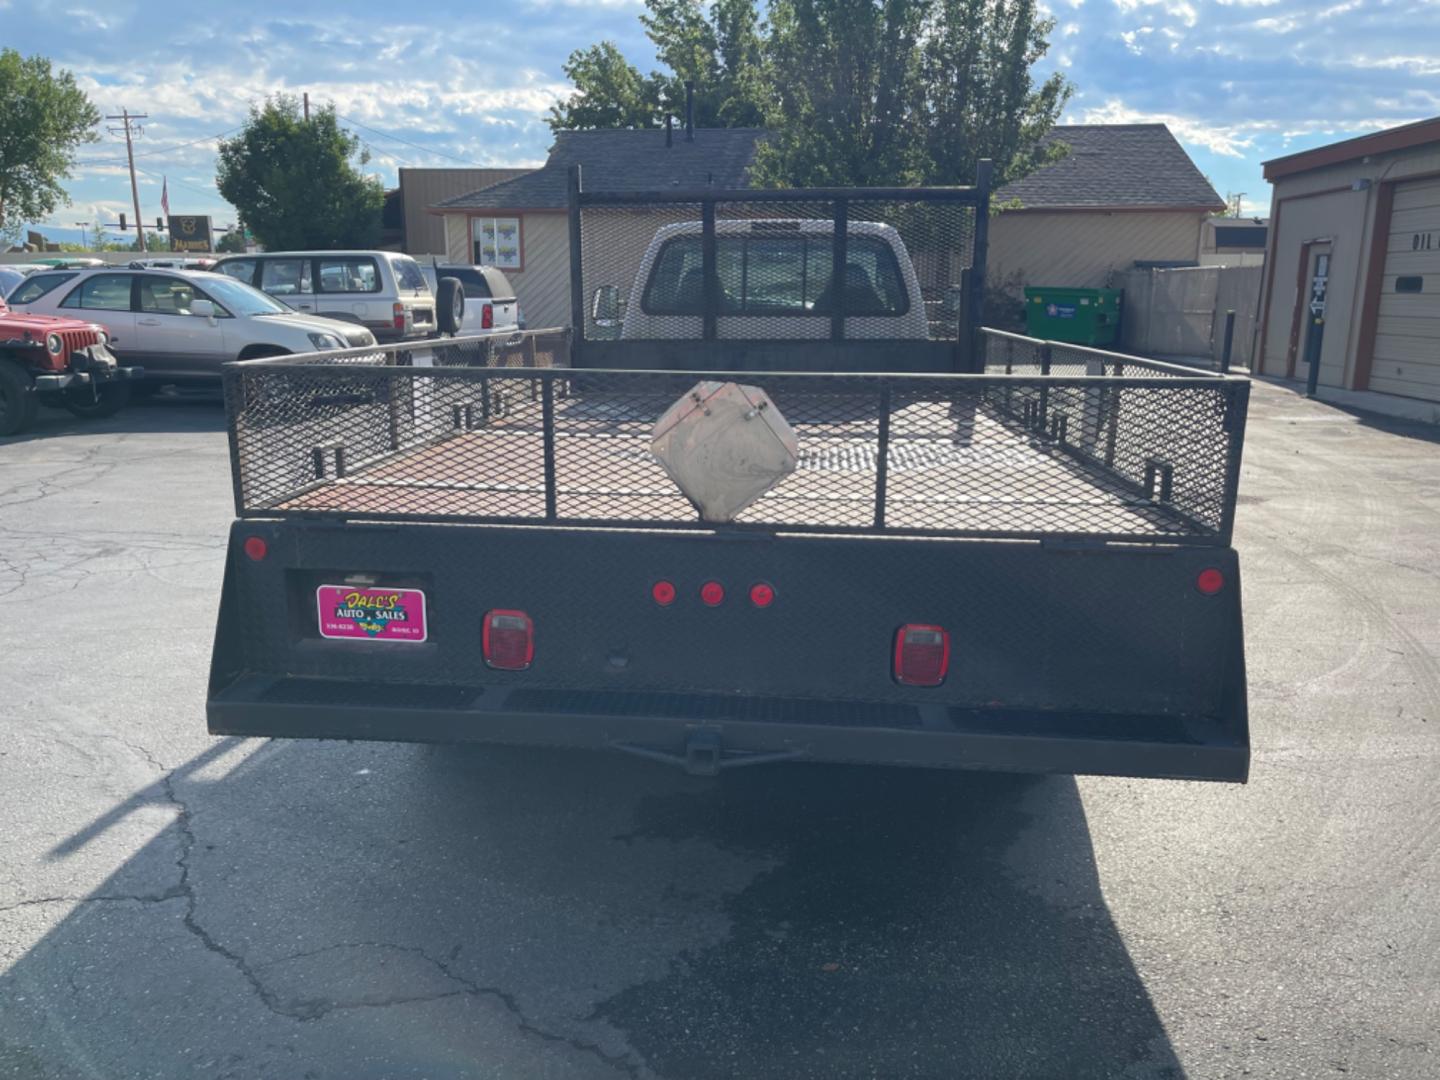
[82, 226]
[307, 106]
[126, 116]
[1238, 196]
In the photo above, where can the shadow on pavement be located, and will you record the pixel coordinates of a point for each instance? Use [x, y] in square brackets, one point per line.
[347, 911]
[191, 411]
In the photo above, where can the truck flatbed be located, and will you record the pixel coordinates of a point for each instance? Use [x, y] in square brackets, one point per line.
[981, 473]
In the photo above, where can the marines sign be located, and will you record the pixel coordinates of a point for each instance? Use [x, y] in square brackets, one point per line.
[190, 233]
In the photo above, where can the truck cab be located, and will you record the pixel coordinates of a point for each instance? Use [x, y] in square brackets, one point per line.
[776, 282]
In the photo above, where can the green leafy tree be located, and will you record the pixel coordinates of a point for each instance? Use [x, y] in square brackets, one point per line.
[720, 51]
[232, 242]
[852, 91]
[610, 92]
[294, 182]
[44, 118]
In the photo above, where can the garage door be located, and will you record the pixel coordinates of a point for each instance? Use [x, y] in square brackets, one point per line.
[1407, 333]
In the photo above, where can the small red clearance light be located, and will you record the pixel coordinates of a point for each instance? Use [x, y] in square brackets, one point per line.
[663, 593]
[922, 655]
[256, 548]
[762, 595]
[1210, 581]
[507, 639]
[712, 593]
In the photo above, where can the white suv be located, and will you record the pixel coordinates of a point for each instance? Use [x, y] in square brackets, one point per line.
[181, 325]
[488, 303]
[383, 291]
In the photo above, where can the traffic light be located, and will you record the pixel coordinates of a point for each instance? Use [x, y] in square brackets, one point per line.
[122, 222]
[159, 224]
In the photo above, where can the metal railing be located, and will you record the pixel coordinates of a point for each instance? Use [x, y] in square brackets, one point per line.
[1051, 442]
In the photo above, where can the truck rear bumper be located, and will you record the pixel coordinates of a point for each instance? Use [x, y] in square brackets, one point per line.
[706, 732]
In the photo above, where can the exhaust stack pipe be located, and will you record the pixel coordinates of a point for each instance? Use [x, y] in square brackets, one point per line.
[689, 110]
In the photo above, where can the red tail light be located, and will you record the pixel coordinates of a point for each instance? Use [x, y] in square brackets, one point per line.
[922, 655]
[508, 640]
[256, 548]
[399, 310]
[762, 595]
[1210, 581]
[712, 594]
[487, 317]
[663, 593]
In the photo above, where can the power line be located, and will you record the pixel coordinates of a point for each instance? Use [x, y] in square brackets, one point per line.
[162, 150]
[407, 142]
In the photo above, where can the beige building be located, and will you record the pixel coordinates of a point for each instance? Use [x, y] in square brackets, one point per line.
[1352, 281]
[422, 232]
[522, 225]
[1124, 196]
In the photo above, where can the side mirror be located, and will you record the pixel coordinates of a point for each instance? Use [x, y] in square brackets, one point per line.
[606, 306]
[204, 309]
[954, 302]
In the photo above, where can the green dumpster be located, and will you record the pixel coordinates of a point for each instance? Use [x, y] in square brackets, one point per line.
[1084, 316]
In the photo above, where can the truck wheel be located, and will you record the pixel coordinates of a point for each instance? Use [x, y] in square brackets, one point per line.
[18, 403]
[449, 305]
[85, 403]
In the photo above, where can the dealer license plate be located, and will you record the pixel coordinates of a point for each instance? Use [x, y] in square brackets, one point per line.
[357, 613]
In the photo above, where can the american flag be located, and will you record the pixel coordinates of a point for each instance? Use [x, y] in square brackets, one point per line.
[165, 196]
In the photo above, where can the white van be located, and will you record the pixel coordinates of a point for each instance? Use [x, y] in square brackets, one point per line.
[775, 283]
[384, 291]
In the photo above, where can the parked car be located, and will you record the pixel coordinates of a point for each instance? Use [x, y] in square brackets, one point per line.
[36, 283]
[52, 360]
[383, 291]
[181, 325]
[488, 304]
[10, 276]
[177, 263]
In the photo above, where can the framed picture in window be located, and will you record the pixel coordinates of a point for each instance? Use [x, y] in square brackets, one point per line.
[497, 242]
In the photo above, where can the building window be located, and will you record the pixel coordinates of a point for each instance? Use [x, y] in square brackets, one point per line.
[496, 241]
[1409, 284]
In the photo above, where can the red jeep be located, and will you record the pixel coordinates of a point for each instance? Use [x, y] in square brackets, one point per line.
[46, 359]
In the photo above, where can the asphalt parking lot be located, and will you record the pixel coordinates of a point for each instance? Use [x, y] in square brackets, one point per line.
[174, 905]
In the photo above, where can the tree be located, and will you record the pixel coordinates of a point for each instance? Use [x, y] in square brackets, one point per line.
[719, 53]
[293, 181]
[852, 91]
[154, 242]
[232, 242]
[44, 118]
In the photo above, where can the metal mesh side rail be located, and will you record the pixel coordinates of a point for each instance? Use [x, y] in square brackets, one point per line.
[1019, 456]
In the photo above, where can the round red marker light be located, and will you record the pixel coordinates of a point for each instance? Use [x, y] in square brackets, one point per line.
[762, 595]
[1210, 581]
[256, 548]
[712, 593]
[663, 593]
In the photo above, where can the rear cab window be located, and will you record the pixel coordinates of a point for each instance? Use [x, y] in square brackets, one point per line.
[37, 285]
[773, 275]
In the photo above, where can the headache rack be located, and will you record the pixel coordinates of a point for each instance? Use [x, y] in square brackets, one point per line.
[1051, 442]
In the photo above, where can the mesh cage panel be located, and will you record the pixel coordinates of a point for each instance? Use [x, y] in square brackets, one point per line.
[614, 241]
[1050, 442]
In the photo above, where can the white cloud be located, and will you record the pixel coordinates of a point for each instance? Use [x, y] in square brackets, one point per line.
[1228, 140]
[1180, 9]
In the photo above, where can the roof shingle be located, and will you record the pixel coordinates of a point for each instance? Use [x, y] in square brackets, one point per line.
[1110, 166]
[623, 160]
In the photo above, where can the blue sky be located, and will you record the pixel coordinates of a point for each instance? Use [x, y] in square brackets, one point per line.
[1238, 81]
